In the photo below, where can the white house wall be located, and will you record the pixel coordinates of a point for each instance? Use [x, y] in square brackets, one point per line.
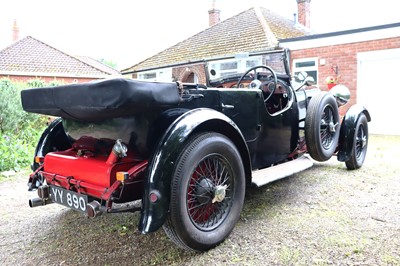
[379, 89]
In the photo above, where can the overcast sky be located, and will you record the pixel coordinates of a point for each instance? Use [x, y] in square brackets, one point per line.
[126, 31]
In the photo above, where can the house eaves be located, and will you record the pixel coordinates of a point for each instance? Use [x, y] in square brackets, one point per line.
[342, 37]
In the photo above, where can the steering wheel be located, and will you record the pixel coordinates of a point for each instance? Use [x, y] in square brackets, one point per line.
[256, 83]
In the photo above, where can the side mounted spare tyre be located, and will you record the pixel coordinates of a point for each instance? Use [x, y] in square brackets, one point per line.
[207, 192]
[322, 126]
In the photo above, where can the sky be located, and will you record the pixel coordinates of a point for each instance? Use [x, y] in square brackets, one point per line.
[127, 32]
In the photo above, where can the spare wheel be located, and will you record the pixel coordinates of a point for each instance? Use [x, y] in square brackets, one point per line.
[322, 126]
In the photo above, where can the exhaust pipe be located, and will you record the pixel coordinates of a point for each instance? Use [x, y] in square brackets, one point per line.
[93, 209]
[44, 197]
[118, 151]
[36, 202]
[43, 192]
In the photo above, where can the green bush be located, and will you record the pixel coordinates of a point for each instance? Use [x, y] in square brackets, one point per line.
[15, 153]
[10, 116]
[19, 130]
[36, 83]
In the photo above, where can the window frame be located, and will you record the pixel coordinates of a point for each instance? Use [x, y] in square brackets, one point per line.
[163, 74]
[241, 65]
[306, 68]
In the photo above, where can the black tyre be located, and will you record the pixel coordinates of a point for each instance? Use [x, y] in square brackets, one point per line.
[207, 192]
[360, 144]
[322, 126]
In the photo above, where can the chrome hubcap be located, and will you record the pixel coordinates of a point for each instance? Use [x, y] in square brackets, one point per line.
[219, 193]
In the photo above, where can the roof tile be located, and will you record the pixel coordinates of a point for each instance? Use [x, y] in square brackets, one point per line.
[242, 33]
[99, 65]
[30, 55]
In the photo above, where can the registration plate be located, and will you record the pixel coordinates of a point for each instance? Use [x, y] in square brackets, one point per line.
[69, 198]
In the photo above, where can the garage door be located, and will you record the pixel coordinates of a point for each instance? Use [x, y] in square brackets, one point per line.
[378, 89]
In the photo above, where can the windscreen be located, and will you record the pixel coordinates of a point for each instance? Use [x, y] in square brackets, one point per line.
[231, 67]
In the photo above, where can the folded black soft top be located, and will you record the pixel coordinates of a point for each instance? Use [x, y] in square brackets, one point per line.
[98, 100]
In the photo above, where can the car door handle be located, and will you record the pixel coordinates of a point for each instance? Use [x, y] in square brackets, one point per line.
[227, 106]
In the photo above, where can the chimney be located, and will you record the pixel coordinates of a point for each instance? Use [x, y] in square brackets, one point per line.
[214, 14]
[15, 30]
[303, 8]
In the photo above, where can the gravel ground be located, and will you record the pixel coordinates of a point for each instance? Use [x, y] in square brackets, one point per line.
[323, 216]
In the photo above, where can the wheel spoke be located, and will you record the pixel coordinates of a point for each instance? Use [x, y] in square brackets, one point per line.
[220, 174]
[207, 163]
[225, 179]
[209, 194]
[327, 127]
[361, 142]
[198, 184]
[194, 196]
[198, 206]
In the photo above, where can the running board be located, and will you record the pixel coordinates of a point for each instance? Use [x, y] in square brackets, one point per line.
[273, 173]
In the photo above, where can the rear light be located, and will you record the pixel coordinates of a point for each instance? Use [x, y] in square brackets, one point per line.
[39, 159]
[154, 196]
[122, 176]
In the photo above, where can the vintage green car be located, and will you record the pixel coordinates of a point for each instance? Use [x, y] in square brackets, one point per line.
[183, 154]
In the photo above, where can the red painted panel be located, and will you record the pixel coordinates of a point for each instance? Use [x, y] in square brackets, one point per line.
[89, 168]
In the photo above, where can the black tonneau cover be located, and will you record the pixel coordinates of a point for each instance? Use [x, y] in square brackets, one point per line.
[100, 100]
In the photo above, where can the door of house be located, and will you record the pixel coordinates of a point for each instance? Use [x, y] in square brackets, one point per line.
[378, 89]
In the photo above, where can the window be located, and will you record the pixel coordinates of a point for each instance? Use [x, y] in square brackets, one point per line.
[276, 62]
[252, 63]
[156, 75]
[308, 65]
[228, 66]
[151, 75]
[223, 68]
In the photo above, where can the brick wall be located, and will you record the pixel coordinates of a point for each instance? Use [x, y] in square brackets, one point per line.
[345, 58]
[304, 12]
[181, 73]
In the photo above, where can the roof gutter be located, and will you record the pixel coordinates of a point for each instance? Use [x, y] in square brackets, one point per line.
[339, 33]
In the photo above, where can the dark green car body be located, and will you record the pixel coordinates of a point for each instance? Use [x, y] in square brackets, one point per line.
[265, 133]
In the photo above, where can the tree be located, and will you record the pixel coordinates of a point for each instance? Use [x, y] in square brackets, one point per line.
[109, 63]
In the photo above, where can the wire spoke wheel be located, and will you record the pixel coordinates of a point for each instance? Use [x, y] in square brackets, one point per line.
[360, 144]
[327, 129]
[209, 194]
[322, 126]
[361, 140]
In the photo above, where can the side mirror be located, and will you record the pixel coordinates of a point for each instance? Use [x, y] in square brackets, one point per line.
[309, 81]
[301, 76]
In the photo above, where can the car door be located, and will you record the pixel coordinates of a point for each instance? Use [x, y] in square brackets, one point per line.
[278, 129]
[241, 105]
